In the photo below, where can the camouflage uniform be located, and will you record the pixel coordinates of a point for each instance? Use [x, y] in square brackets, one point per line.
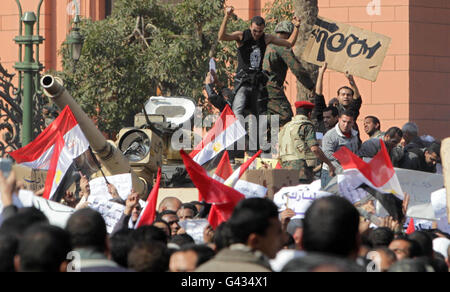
[295, 152]
[276, 62]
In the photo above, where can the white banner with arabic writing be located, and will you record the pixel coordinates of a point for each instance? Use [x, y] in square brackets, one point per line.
[299, 198]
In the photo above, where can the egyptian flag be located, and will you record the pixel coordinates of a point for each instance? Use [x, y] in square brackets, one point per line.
[378, 174]
[224, 169]
[234, 178]
[411, 228]
[278, 166]
[212, 191]
[220, 213]
[223, 134]
[148, 214]
[54, 150]
[392, 204]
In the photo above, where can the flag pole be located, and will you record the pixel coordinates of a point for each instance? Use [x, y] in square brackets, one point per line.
[98, 165]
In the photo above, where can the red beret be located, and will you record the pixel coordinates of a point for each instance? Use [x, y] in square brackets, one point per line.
[304, 104]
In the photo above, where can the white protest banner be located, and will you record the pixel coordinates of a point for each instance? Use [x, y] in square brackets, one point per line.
[56, 213]
[346, 48]
[445, 157]
[419, 185]
[348, 186]
[250, 190]
[110, 211]
[195, 228]
[122, 182]
[439, 203]
[298, 198]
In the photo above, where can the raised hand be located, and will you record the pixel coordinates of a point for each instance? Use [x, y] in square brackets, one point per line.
[286, 216]
[323, 68]
[113, 191]
[84, 185]
[296, 21]
[208, 234]
[131, 202]
[7, 188]
[229, 10]
[350, 78]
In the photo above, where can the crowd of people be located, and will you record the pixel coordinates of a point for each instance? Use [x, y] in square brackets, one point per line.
[332, 237]
[263, 62]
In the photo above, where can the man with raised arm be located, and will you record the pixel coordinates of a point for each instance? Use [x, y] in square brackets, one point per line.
[252, 43]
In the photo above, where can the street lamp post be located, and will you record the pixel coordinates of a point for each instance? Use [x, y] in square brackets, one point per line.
[28, 67]
[75, 41]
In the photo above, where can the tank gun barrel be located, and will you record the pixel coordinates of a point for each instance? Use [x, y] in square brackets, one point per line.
[110, 157]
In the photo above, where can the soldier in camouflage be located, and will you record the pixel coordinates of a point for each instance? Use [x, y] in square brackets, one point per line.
[276, 62]
[299, 148]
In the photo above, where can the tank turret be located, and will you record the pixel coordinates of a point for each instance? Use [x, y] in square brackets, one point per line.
[106, 152]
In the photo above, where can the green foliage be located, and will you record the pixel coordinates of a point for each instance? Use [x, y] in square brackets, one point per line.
[277, 11]
[147, 45]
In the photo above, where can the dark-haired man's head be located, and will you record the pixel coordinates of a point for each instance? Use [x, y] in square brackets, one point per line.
[304, 111]
[87, 230]
[257, 26]
[404, 248]
[371, 125]
[121, 243]
[149, 233]
[410, 132]
[393, 137]
[187, 211]
[172, 219]
[188, 258]
[433, 154]
[25, 217]
[331, 226]
[424, 241]
[182, 240]
[164, 226]
[346, 121]
[198, 205]
[330, 117]
[150, 256]
[334, 102]
[381, 237]
[345, 95]
[136, 212]
[222, 236]
[255, 223]
[8, 249]
[43, 248]
[416, 265]
[386, 258]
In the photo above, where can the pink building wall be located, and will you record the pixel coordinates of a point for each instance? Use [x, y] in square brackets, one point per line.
[55, 26]
[413, 84]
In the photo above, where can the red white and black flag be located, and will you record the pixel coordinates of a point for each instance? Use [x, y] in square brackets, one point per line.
[225, 132]
[148, 214]
[54, 150]
[224, 169]
[378, 174]
[223, 198]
